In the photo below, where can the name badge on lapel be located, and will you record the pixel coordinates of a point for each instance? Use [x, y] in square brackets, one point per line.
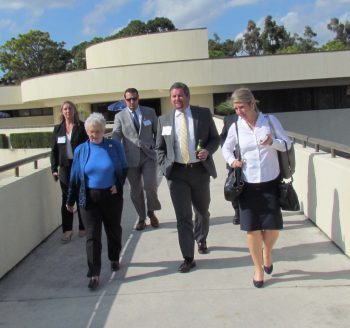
[147, 122]
[61, 140]
[166, 131]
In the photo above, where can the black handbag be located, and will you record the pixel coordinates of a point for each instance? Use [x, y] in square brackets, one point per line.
[234, 183]
[288, 197]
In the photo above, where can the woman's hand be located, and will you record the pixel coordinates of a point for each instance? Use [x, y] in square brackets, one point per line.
[267, 141]
[70, 208]
[113, 189]
[237, 163]
[55, 175]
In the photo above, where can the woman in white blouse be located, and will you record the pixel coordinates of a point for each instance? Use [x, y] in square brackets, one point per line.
[260, 212]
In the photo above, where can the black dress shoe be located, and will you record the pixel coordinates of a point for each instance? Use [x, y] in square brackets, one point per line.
[269, 269]
[186, 266]
[115, 266]
[258, 283]
[141, 225]
[93, 283]
[236, 220]
[202, 248]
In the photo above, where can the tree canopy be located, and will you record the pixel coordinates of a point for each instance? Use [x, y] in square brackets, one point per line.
[32, 54]
[275, 39]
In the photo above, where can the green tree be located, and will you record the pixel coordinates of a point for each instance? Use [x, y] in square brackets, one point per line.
[228, 48]
[307, 44]
[333, 45]
[32, 54]
[275, 37]
[252, 40]
[160, 24]
[302, 44]
[135, 27]
[342, 30]
[78, 53]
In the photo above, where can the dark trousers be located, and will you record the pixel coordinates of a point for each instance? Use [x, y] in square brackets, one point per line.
[67, 217]
[102, 207]
[189, 187]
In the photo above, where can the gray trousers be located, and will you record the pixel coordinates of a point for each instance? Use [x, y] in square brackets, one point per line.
[190, 187]
[143, 180]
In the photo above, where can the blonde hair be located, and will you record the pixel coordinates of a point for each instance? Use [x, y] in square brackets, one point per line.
[72, 105]
[244, 95]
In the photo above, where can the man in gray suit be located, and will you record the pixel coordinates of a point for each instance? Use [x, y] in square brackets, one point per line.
[136, 127]
[188, 174]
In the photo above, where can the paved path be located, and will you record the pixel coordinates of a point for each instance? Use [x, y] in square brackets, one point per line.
[310, 285]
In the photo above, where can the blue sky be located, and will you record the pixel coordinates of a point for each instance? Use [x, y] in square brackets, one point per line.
[75, 21]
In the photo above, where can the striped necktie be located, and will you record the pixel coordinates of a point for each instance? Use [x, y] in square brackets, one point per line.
[136, 121]
[184, 139]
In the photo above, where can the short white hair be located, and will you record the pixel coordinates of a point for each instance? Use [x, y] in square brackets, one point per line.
[95, 119]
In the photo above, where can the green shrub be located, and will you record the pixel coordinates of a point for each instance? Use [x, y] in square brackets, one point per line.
[31, 140]
[4, 141]
[224, 108]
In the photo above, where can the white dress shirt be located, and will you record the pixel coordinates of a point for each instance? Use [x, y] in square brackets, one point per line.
[191, 137]
[260, 162]
[138, 114]
[69, 145]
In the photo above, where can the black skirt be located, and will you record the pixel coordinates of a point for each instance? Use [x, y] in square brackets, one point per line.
[259, 207]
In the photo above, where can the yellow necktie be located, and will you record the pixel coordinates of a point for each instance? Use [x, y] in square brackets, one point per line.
[184, 139]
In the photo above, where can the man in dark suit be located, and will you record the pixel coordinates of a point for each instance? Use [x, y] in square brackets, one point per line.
[228, 121]
[136, 127]
[188, 174]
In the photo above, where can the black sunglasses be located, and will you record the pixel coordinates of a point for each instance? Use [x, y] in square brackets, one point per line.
[132, 98]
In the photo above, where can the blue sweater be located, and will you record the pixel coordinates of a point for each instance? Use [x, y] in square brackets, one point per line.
[99, 168]
[77, 183]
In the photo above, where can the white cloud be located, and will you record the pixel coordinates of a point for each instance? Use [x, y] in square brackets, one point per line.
[102, 11]
[190, 13]
[33, 4]
[316, 15]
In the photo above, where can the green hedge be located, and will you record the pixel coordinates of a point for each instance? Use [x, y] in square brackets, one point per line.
[4, 141]
[224, 108]
[31, 140]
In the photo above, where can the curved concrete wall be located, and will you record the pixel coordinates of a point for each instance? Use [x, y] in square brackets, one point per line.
[149, 48]
[205, 76]
[323, 188]
[30, 212]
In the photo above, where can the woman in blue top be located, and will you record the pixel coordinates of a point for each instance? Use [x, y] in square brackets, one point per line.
[98, 174]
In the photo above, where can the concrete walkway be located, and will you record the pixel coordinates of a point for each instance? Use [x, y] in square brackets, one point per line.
[310, 285]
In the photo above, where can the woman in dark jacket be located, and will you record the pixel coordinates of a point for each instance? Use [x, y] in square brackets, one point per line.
[66, 137]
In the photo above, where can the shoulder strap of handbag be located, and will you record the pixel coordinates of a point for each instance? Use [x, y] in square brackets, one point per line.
[239, 156]
[285, 144]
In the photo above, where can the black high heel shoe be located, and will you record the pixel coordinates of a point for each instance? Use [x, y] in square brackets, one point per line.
[93, 283]
[258, 283]
[269, 269]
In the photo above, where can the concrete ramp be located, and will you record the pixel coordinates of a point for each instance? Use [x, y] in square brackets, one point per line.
[310, 285]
